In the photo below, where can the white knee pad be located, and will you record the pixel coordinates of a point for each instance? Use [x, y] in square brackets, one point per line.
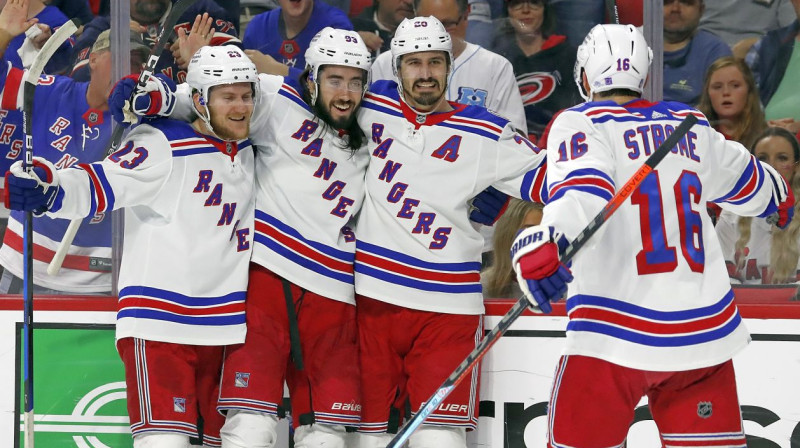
[161, 441]
[245, 429]
[365, 440]
[320, 435]
[429, 436]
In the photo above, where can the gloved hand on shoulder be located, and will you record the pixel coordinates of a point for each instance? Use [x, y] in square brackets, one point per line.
[155, 99]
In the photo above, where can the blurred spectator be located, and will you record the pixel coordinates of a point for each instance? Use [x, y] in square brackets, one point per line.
[147, 17]
[248, 9]
[543, 62]
[480, 28]
[226, 14]
[499, 280]
[74, 9]
[730, 101]
[775, 61]
[755, 251]
[477, 76]
[277, 40]
[376, 24]
[735, 20]
[688, 51]
[574, 18]
[72, 125]
[50, 18]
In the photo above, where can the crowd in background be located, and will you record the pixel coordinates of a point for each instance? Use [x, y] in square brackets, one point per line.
[735, 60]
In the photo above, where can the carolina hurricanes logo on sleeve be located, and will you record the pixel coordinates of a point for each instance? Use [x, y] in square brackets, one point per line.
[536, 87]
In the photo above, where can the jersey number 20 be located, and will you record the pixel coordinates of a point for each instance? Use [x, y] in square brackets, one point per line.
[657, 255]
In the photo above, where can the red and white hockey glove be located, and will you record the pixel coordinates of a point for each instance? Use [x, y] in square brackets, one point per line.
[540, 273]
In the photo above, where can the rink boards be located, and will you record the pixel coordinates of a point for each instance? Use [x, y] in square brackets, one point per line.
[80, 393]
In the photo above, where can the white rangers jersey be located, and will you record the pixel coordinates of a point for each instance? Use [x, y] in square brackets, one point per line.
[308, 188]
[188, 230]
[751, 265]
[416, 247]
[480, 78]
[651, 290]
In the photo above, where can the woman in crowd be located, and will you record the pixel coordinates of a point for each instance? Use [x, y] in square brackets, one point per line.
[730, 101]
[542, 61]
[499, 280]
[755, 251]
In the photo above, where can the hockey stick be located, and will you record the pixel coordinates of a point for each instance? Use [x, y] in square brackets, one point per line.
[490, 339]
[35, 70]
[116, 137]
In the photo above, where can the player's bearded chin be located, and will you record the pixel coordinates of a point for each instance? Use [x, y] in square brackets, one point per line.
[325, 113]
[227, 129]
[428, 98]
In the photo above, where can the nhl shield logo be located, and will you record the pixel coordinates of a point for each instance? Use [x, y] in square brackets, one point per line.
[179, 405]
[704, 409]
[242, 379]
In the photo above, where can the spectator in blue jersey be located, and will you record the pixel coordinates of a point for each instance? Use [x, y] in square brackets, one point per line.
[376, 24]
[542, 61]
[147, 17]
[79, 9]
[71, 126]
[773, 61]
[276, 40]
[688, 51]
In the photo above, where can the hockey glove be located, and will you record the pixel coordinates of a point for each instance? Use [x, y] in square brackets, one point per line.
[488, 206]
[37, 191]
[540, 273]
[785, 211]
[156, 99]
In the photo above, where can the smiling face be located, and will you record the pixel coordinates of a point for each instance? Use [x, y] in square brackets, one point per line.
[230, 107]
[424, 78]
[341, 89]
[727, 90]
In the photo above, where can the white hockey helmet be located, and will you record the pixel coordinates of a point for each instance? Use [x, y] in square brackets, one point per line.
[613, 57]
[213, 66]
[333, 46]
[420, 34]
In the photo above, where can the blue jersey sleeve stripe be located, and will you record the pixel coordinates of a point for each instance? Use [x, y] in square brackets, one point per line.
[380, 108]
[590, 189]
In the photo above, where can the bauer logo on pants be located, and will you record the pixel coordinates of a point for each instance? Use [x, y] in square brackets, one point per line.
[242, 379]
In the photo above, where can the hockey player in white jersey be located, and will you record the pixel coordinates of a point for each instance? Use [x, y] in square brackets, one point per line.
[651, 311]
[188, 190]
[417, 271]
[310, 162]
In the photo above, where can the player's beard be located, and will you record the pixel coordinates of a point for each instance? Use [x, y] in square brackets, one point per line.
[425, 98]
[222, 130]
[325, 114]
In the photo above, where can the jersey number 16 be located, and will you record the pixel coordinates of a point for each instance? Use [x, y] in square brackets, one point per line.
[657, 255]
